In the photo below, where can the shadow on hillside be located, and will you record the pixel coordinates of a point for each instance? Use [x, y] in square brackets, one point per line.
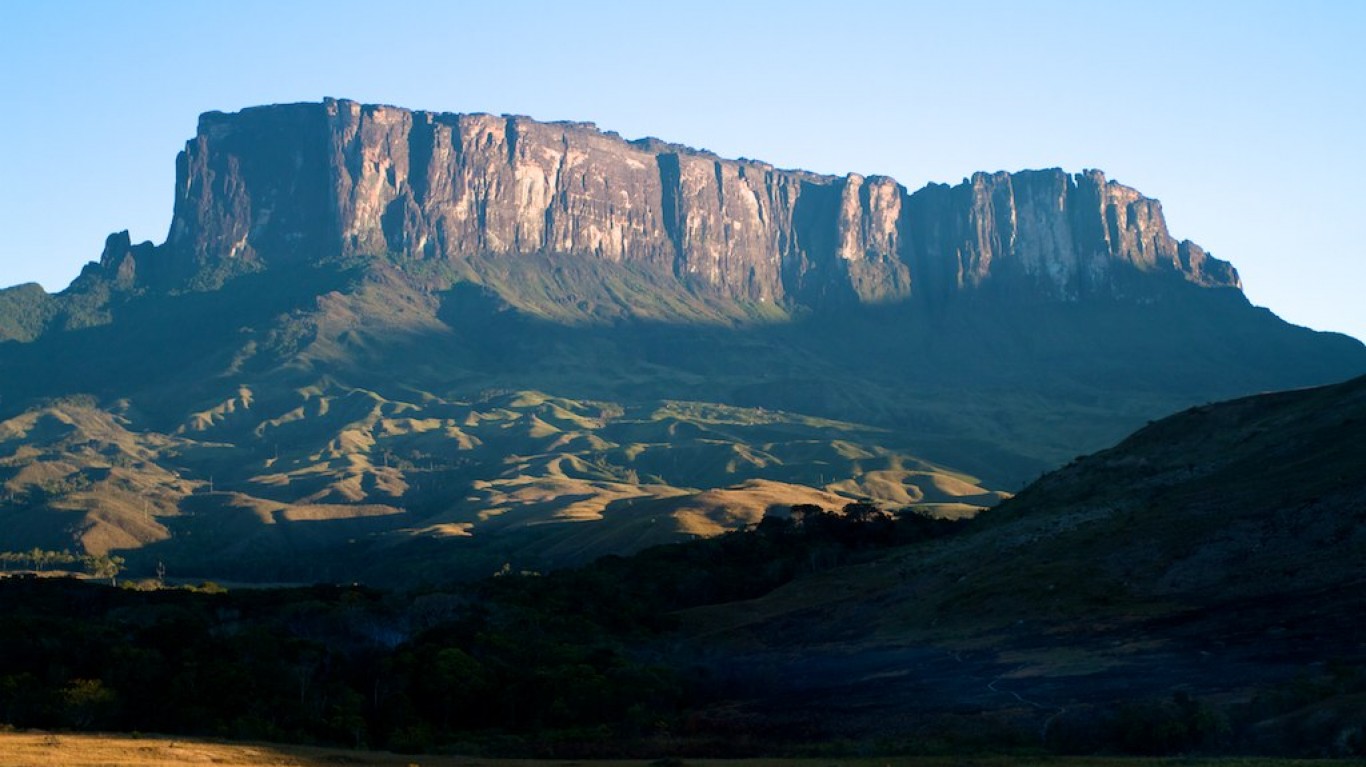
[1001, 390]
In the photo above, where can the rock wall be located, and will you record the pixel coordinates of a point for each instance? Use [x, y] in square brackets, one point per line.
[303, 181]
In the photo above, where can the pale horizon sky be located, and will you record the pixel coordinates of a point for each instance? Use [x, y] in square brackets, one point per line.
[1246, 120]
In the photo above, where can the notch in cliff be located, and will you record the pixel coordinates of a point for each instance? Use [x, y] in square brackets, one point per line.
[311, 182]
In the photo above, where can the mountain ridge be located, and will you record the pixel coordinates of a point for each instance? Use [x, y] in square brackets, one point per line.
[279, 183]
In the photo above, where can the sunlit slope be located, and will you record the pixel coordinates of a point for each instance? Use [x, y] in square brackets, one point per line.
[75, 477]
[292, 475]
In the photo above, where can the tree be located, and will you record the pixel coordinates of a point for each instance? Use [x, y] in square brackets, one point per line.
[105, 566]
[85, 701]
[860, 511]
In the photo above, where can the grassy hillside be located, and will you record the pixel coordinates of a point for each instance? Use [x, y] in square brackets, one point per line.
[1195, 589]
[1002, 390]
[267, 486]
[288, 426]
[1214, 556]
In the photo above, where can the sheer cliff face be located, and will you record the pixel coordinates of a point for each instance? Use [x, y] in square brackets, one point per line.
[305, 181]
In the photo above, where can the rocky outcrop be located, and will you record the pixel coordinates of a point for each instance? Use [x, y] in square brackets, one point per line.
[1050, 234]
[305, 181]
[120, 258]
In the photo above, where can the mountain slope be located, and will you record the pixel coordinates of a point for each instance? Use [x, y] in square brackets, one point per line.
[1217, 553]
[315, 483]
[1194, 590]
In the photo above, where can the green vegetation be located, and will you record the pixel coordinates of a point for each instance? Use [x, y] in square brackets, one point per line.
[38, 560]
[417, 423]
[25, 311]
[591, 661]
[288, 425]
[569, 662]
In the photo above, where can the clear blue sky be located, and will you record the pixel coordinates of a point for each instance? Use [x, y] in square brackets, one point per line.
[1247, 119]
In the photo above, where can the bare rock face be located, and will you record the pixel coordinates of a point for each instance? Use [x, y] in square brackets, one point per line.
[1049, 234]
[120, 259]
[306, 181]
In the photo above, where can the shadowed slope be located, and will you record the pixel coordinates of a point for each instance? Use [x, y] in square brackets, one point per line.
[1217, 553]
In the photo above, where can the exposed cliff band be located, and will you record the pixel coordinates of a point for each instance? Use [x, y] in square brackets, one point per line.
[302, 181]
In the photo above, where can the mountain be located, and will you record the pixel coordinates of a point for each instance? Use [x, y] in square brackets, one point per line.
[371, 327]
[1214, 557]
[293, 184]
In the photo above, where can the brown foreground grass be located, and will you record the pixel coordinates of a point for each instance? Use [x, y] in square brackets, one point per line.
[42, 749]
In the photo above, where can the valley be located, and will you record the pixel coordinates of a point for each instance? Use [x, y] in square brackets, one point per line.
[1144, 599]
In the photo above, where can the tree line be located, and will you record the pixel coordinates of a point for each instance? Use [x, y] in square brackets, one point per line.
[574, 663]
[41, 560]
[559, 664]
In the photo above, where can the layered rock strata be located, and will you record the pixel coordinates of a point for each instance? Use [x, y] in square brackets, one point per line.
[297, 182]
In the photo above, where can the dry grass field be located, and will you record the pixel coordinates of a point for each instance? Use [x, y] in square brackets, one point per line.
[41, 749]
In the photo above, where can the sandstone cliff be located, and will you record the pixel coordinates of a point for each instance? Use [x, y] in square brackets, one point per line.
[306, 181]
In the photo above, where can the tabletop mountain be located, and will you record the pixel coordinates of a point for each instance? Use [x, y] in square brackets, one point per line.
[291, 184]
[374, 327]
